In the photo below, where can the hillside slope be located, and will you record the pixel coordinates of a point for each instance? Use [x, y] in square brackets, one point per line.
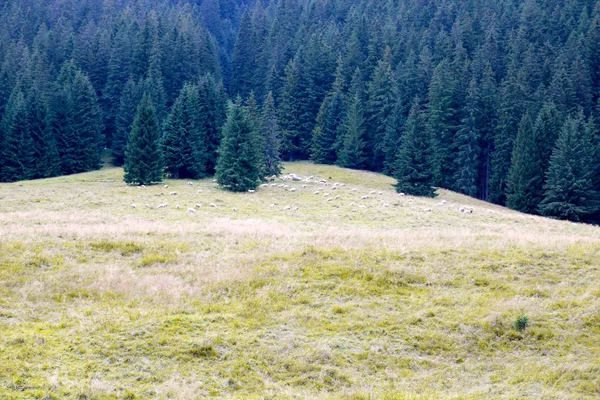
[387, 297]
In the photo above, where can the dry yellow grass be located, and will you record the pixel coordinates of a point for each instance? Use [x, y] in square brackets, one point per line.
[254, 298]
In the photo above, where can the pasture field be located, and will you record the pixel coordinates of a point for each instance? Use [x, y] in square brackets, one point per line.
[391, 297]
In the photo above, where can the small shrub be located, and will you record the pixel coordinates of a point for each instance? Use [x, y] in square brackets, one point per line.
[521, 323]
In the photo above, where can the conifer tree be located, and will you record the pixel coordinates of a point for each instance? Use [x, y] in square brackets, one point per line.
[242, 67]
[413, 168]
[468, 145]
[352, 152]
[130, 99]
[143, 159]
[329, 122]
[212, 114]
[382, 97]
[526, 175]
[16, 146]
[238, 166]
[569, 190]
[271, 138]
[547, 126]
[184, 141]
[45, 152]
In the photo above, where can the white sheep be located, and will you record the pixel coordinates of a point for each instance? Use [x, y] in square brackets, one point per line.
[198, 205]
[317, 192]
[133, 206]
[272, 205]
[351, 205]
[386, 205]
[295, 208]
[364, 197]
[372, 192]
[287, 208]
[337, 197]
[213, 205]
[329, 199]
[354, 190]
[401, 194]
[199, 190]
[166, 186]
[173, 193]
[304, 186]
[326, 195]
[234, 209]
[191, 210]
[251, 191]
[273, 184]
[178, 206]
[380, 193]
[148, 205]
[191, 183]
[292, 190]
[163, 206]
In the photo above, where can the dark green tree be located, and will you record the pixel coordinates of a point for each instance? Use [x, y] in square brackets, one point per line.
[547, 126]
[569, 190]
[130, 99]
[212, 114]
[271, 138]
[468, 140]
[242, 67]
[238, 165]
[184, 141]
[16, 146]
[329, 122]
[525, 179]
[413, 168]
[143, 159]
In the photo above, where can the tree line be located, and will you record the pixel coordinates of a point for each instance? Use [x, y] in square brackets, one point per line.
[498, 100]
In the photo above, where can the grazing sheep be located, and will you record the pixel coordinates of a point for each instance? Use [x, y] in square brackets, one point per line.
[264, 185]
[326, 195]
[337, 197]
[214, 180]
[142, 186]
[234, 209]
[213, 205]
[310, 177]
[191, 183]
[166, 186]
[148, 205]
[273, 184]
[364, 197]
[334, 187]
[354, 190]
[342, 184]
[304, 186]
[191, 210]
[133, 206]
[198, 205]
[281, 186]
[443, 202]
[373, 192]
[329, 199]
[199, 190]
[351, 205]
[163, 206]
[287, 208]
[295, 208]
[386, 205]
[380, 193]
[173, 193]
[292, 190]
[178, 206]
[409, 200]
[251, 191]
[401, 194]
[317, 192]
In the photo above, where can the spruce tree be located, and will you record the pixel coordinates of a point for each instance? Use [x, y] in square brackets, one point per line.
[546, 129]
[526, 175]
[16, 146]
[45, 152]
[329, 122]
[569, 189]
[143, 160]
[352, 151]
[468, 146]
[212, 114]
[413, 168]
[382, 97]
[238, 166]
[242, 66]
[271, 138]
[184, 140]
[130, 99]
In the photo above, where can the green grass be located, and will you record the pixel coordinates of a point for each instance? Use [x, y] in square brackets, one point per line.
[99, 300]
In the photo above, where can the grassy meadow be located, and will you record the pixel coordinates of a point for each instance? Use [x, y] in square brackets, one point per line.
[282, 294]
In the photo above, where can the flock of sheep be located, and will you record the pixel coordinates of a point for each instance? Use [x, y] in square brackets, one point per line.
[331, 192]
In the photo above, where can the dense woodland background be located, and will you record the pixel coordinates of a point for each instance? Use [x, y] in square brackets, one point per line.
[498, 100]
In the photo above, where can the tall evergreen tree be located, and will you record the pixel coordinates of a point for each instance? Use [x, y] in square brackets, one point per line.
[569, 190]
[238, 165]
[271, 138]
[547, 126]
[143, 160]
[16, 146]
[212, 114]
[468, 140]
[242, 67]
[184, 142]
[525, 179]
[329, 122]
[130, 99]
[413, 168]
[45, 152]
